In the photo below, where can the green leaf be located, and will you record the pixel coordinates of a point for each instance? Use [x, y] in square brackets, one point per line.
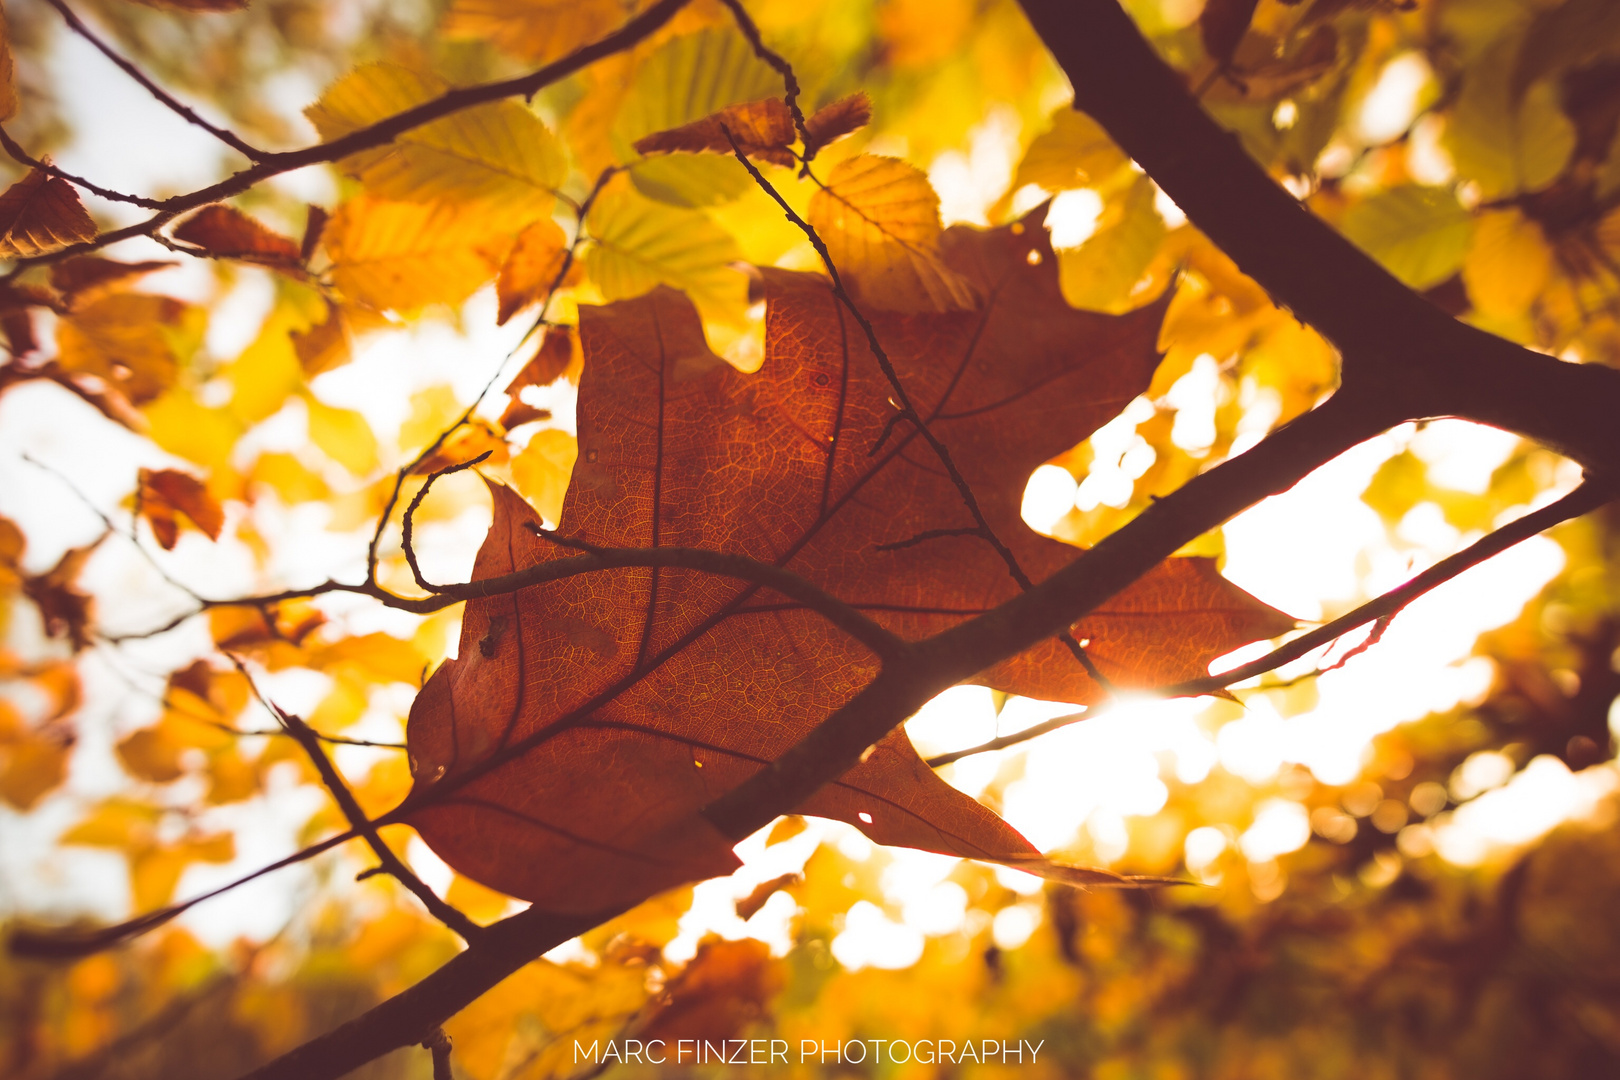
[1507, 147]
[1566, 37]
[1102, 274]
[638, 245]
[1419, 234]
[499, 153]
[687, 79]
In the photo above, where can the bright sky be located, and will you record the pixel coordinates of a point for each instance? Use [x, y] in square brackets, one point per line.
[1313, 551]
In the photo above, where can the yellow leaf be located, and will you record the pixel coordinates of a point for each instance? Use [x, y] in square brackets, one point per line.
[639, 244]
[1505, 143]
[116, 823]
[289, 478]
[687, 79]
[920, 33]
[499, 152]
[536, 260]
[1108, 271]
[879, 218]
[33, 768]
[374, 657]
[231, 778]
[535, 30]
[266, 372]
[404, 255]
[181, 425]
[130, 340]
[152, 754]
[1507, 265]
[343, 435]
[1075, 153]
[433, 409]
[341, 708]
[542, 470]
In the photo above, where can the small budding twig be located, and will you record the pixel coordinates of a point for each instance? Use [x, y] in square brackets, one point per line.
[362, 825]
[438, 1043]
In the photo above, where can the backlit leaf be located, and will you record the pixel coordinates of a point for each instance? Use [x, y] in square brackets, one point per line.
[1106, 272]
[667, 674]
[535, 30]
[1508, 264]
[1076, 152]
[879, 218]
[498, 152]
[131, 340]
[542, 469]
[762, 129]
[84, 276]
[1504, 145]
[40, 213]
[343, 434]
[227, 233]
[687, 79]
[532, 268]
[165, 494]
[403, 255]
[1420, 234]
[832, 122]
[638, 244]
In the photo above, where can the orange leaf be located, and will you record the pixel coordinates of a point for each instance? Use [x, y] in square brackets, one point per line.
[532, 268]
[196, 6]
[553, 359]
[763, 129]
[62, 608]
[40, 213]
[720, 990]
[227, 233]
[564, 755]
[165, 492]
[89, 273]
[833, 122]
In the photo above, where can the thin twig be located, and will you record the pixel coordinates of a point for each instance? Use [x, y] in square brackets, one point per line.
[1003, 741]
[908, 410]
[69, 944]
[378, 134]
[1588, 496]
[410, 514]
[130, 534]
[299, 730]
[23, 157]
[229, 138]
[790, 81]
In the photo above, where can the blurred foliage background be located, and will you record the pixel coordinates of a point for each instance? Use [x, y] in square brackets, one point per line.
[1417, 878]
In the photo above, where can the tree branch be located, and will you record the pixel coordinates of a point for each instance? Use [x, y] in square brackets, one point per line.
[1393, 341]
[379, 134]
[23, 157]
[305, 736]
[1586, 497]
[230, 139]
